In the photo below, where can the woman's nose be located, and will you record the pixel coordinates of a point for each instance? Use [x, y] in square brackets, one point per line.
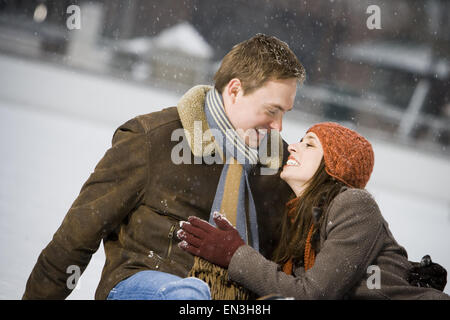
[294, 147]
[291, 148]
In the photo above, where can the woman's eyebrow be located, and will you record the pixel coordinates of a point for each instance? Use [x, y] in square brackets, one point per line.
[309, 138]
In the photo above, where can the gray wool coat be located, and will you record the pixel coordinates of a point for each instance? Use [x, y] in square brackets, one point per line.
[358, 259]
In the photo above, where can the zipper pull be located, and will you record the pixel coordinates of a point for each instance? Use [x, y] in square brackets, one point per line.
[170, 236]
[171, 231]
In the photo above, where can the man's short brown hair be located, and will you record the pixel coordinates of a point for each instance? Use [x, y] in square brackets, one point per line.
[256, 61]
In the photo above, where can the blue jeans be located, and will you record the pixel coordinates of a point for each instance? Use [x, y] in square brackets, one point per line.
[156, 285]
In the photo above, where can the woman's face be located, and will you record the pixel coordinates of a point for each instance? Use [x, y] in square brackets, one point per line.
[304, 160]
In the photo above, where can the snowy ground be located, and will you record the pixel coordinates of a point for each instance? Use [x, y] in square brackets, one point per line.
[55, 124]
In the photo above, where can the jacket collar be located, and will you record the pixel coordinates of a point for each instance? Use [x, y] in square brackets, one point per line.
[191, 108]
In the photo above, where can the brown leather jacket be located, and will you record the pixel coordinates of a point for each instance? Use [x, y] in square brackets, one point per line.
[134, 200]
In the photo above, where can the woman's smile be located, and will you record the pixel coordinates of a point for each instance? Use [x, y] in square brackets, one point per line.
[292, 161]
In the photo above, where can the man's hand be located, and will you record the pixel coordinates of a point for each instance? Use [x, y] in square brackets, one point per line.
[428, 274]
[216, 245]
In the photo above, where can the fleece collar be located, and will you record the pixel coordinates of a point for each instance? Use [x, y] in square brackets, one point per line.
[191, 108]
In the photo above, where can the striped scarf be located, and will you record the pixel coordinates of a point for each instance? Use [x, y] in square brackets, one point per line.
[233, 195]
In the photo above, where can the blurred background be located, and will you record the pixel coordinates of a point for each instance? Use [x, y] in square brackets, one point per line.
[73, 71]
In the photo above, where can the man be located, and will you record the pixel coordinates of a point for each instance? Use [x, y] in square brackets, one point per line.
[148, 182]
[140, 191]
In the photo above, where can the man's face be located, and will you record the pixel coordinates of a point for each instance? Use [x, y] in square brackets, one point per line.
[255, 114]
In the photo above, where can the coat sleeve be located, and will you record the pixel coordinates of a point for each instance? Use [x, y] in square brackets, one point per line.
[353, 229]
[110, 193]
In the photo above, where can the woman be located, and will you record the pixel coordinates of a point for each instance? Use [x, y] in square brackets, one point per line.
[334, 242]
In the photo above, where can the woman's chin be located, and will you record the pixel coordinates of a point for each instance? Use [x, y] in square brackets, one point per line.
[291, 181]
[284, 176]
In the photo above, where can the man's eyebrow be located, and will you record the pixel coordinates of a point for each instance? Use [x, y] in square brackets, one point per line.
[278, 107]
[274, 105]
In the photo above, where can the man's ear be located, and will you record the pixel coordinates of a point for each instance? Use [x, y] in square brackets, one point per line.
[233, 88]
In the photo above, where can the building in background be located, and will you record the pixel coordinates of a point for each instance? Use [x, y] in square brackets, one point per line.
[392, 82]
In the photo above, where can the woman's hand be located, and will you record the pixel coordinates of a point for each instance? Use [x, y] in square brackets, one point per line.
[217, 245]
[427, 274]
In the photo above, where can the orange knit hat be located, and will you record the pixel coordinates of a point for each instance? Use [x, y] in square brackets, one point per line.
[348, 156]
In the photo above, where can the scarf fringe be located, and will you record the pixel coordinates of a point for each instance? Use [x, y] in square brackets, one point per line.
[218, 281]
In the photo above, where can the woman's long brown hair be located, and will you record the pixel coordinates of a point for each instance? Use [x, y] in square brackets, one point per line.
[298, 217]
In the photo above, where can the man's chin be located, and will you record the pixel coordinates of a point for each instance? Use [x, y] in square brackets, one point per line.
[254, 139]
[253, 142]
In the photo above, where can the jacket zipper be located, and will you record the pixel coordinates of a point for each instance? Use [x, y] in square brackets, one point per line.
[174, 216]
[170, 236]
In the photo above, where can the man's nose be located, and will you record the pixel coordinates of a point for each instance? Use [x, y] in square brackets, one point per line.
[277, 124]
